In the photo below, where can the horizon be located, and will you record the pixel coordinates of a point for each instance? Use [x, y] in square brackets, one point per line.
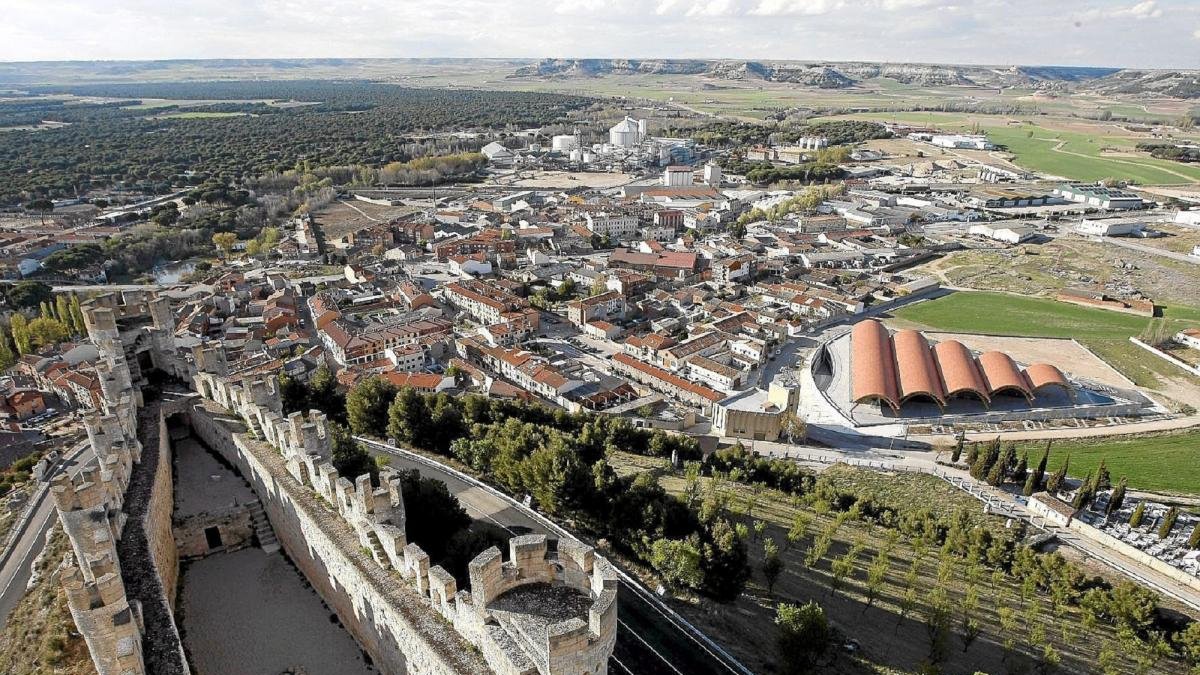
[1128, 34]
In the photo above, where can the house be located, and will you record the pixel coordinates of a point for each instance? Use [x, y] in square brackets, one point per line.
[602, 330]
[497, 153]
[472, 265]
[604, 306]
[26, 403]
[1010, 234]
[1189, 337]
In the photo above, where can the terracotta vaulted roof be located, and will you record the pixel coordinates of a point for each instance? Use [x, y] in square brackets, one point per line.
[918, 372]
[892, 369]
[960, 372]
[1002, 374]
[873, 364]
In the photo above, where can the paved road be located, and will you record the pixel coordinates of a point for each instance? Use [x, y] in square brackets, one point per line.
[648, 640]
[16, 569]
[1152, 250]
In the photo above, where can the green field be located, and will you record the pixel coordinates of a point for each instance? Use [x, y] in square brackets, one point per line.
[1042, 147]
[1105, 333]
[1153, 463]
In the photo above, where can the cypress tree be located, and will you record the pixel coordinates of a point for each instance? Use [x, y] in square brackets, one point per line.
[1194, 540]
[1139, 513]
[77, 313]
[1040, 472]
[1116, 499]
[973, 453]
[1102, 479]
[1022, 471]
[1083, 496]
[1059, 477]
[1168, 523]
[983, 464]
[958, 448]
[1030, 485]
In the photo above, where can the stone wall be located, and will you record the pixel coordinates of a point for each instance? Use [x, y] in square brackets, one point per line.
[158, 517]
[234, 523]
[391, 621]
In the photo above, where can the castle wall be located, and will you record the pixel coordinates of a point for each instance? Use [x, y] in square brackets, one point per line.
[161, 540]
[385, 615]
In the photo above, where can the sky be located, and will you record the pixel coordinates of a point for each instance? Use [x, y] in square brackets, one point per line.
[1121, 33]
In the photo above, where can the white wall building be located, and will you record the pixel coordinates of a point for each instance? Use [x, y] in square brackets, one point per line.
[961, 142]
[618, 227]
[1110, 227]
[627, 133]
[713, 175]
[1189, 218]
[678, 176]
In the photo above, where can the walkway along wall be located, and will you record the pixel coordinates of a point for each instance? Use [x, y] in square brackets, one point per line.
[349, 540]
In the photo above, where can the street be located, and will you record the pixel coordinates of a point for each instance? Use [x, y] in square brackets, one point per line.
[16, 568]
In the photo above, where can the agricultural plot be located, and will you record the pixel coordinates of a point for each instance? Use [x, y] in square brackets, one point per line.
[1161, 463]
[880, 588]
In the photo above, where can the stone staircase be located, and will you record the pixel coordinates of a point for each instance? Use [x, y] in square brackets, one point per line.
[262, 528]
[377, 549]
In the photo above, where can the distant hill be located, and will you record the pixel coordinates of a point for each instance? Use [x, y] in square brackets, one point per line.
[821, 75]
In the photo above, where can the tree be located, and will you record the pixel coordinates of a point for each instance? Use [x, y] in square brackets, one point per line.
[958, 448]
[1139, 513]
[7, 356]
[804, 636]
[367, 406]
[41, 207]
[62, 311]
[1116, 499]
[1102, 478]
[724, 561]
[1030, 484]
[677, 561]
[225, 241]
[19, 328]
[1083, 495]
[1022, 471]
[1168, 522]
[798, 530]
[77, 315]
[323, 394]
[349, 458]
[1194, 540]
[44, 331]
[293, 394]
[973, 453]
[409, 418]
[876, 576]
[1055, 483]
[1040, 472]
[1189, 644]
[29, 294]
[772, 565]
[937, 625]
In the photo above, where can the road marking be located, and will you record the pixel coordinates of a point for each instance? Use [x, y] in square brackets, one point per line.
[623, 666]
[656, 653]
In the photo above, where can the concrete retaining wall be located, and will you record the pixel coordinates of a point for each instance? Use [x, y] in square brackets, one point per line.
[1165, 356]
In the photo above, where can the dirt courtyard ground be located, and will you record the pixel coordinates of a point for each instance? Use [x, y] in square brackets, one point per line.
[565, 179]
[1070, 356]
[351, 215]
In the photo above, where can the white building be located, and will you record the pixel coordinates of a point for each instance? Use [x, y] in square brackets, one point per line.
[812, 142]
[678, 176]
[564, 143]
[627, 133]
[961, 142]
[1189, 218]
[1110, 227]
[615, 227]
[1006, 234]
[497, 153]
[713, 175]
[1100, 196]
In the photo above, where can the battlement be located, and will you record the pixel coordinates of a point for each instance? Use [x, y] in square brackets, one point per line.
[504, 610]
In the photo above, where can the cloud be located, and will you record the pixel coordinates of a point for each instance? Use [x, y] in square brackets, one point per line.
[1196, 34]
[1148, 9]
[946, 31]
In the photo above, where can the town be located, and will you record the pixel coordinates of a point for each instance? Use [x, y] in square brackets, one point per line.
[634, 390]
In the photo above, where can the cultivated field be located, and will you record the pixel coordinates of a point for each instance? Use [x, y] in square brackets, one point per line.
[888, 638]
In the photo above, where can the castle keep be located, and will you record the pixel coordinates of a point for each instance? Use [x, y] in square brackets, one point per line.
[546, 607]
